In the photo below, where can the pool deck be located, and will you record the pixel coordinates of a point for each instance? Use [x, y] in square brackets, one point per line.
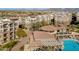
[72, 39]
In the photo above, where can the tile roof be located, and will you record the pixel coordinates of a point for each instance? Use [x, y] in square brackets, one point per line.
[13, 18]
[51, 28]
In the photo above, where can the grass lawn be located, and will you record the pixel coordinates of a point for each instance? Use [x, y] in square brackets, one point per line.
[8, 46]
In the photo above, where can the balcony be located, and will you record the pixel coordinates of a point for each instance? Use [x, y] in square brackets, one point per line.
[15, 24]
[5, 30]
[11, 38]
[5, 35]
[5, 26]
[11, 25]
[11, 29]
[11, 33]
[5, 39]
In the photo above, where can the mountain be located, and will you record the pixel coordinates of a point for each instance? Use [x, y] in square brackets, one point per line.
[65, 9]
[24, 9]
[43, 9]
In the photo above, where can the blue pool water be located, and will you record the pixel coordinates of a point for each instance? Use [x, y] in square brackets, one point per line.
[71, 45]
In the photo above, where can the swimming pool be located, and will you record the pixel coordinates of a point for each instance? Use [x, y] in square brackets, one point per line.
[71, 45]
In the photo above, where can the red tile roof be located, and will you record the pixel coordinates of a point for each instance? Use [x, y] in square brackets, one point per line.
[13, 18]
[51, 28]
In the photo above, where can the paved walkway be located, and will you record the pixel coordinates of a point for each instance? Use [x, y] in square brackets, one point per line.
[67, 34]
[21, 43]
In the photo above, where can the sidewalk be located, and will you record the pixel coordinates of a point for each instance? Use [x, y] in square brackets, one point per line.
[20, 44]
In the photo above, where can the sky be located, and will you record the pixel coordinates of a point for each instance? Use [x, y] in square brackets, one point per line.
[23, 3]
[38, 3]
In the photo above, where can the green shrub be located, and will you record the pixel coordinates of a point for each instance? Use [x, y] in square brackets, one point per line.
[10, 44]
[21, 33]
[77, 31]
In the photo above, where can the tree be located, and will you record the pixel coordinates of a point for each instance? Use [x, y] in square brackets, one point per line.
[44, 23]
[45, 48]
[21, 33]
[36, 26]
[21, 26]
[74, 18]
[33, 26]
[77, 26]
[52, 21]
[77, 30]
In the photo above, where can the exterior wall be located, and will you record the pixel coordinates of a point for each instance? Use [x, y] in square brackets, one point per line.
[77, 16]
[63, 17]
[7, 31]
[17, 24]
[29, 21]
[45, 17]
[39, 17]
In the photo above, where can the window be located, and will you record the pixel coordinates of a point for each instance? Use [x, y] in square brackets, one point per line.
[5, 39]
[58, 30]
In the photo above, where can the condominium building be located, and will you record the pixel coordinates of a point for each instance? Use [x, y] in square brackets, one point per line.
[35, 18]
[7, 30]
[63, 17]
[45, 17]
[17, 21]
